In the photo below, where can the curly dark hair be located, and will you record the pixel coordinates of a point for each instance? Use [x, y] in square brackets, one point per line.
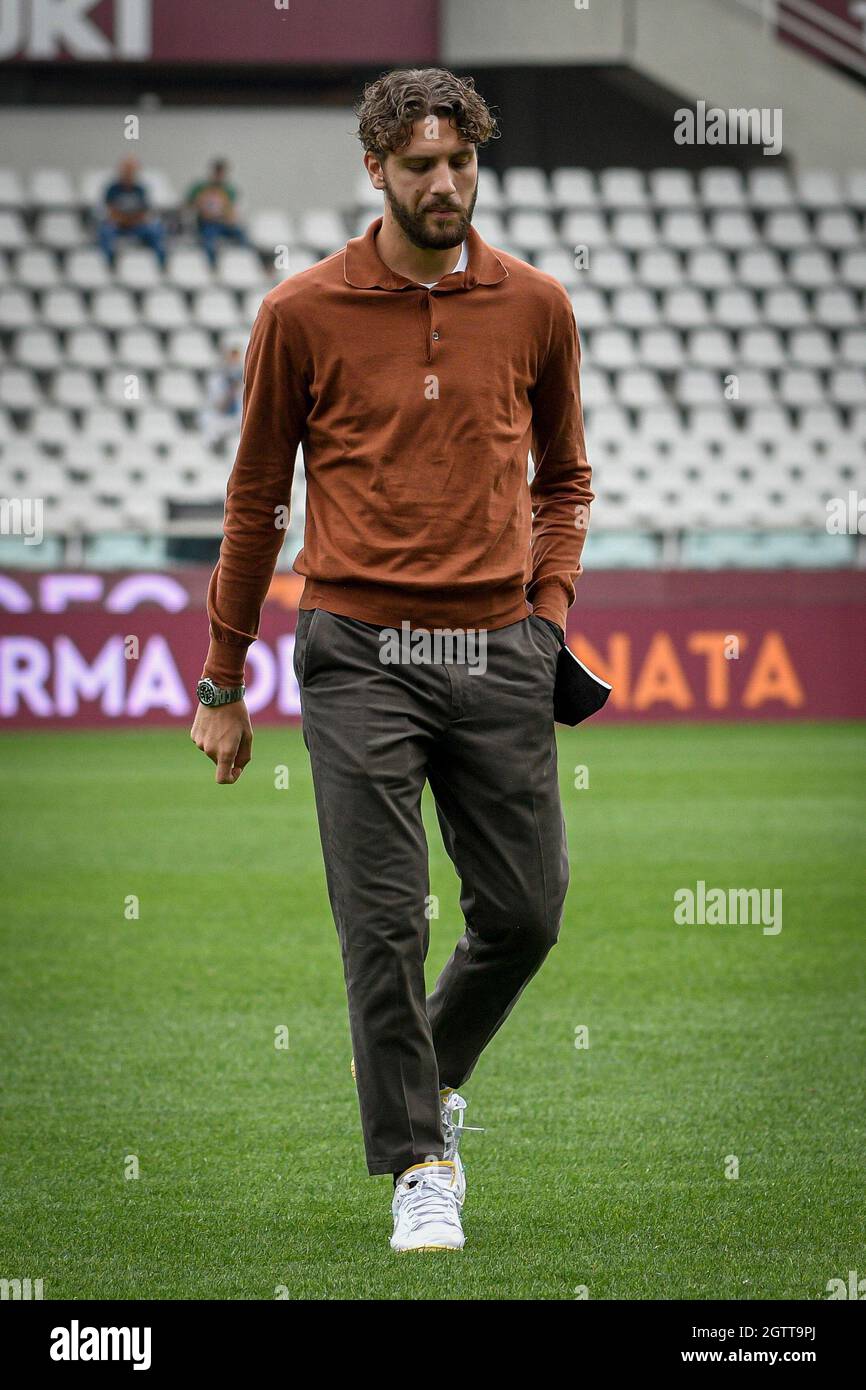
[391, 105]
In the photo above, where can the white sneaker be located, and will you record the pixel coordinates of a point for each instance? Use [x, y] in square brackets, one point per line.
[426, 1210]
[452, 1108]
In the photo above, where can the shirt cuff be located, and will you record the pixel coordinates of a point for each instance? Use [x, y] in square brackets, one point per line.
[550, 603]
[225, 663]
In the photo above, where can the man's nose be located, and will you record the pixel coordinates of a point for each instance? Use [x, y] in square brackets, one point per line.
[443, 185]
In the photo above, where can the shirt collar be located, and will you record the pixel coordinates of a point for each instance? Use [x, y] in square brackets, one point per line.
[364, 268]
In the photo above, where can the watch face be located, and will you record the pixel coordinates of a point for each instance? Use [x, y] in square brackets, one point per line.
[206, 692]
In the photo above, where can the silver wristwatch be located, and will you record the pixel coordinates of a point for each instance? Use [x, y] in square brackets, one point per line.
[212, 695]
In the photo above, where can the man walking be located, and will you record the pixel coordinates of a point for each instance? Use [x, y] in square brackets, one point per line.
[418, 367]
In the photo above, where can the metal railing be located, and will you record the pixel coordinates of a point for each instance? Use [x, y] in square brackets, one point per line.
[838, 40]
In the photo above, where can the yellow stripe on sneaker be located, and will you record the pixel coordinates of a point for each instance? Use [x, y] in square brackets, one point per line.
[435, 1163]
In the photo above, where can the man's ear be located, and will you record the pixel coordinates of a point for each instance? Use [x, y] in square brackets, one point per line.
[374, 168]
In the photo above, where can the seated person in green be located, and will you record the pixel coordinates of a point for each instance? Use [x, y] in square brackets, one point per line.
[212, 201]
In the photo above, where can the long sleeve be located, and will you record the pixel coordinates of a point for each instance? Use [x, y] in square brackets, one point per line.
[560, 488]
[258, 497]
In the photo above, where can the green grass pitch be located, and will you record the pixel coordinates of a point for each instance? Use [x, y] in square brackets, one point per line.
[602, 1167]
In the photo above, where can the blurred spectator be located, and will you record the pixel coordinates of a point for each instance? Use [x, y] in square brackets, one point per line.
[212, 201]
[225, 393]
[128, 214]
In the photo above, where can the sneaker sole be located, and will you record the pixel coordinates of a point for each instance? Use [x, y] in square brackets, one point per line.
[414, 1249]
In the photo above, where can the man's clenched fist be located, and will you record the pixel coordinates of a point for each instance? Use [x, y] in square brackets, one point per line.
[226, 736]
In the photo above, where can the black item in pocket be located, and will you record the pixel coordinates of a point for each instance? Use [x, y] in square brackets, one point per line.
[577, 691]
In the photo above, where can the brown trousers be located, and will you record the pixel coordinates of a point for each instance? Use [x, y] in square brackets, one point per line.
[485, 741]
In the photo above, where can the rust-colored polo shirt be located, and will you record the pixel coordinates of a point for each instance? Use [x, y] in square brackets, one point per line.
[416, 409]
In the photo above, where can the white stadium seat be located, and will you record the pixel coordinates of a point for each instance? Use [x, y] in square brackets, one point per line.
[60, 230]
[573, 188]
[192, 348]
[87, 269]
[37, 269]
[51, 188]
[526, 189]
[13, 231]
[114, 309]
[165, 309]
[39, 349]
[89, 347]
[139, 349]
[188, 268]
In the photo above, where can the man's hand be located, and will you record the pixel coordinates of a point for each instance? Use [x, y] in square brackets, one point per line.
[225, 734]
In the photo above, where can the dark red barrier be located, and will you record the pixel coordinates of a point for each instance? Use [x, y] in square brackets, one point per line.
[126, 649]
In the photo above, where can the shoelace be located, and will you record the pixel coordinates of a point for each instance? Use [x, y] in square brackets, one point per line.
[428, 1199]
[453, 1107]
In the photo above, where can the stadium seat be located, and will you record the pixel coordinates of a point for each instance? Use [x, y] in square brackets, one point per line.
[590, 309]
[713, 349]
[635, 308]
[732, 229]
[165, 309]
[60, 230]
[759, 268]
[36, 269]
[633, 230]
[660, 268]
[560, 264]
[51, 188]
[188, 268]
[74, 388]
[178, 390]
[114, 309]
[721, 188]
[852, 347]
[11, 189]
[837, 308]
[622, 188]
[137, 270]
[573, 189]
[531, 231]
[762, 347]
[682, 230]
[192, 348]
[86, 269]
[583, 227]
[490, 198]
[215, 309]
[786, 308]
[852, 269]
[104, 427]
[768, 188]
[271, 228]
[811, 268]
[709, 268]
[838, 230]
[13, 232]
[526, 189]
[671, 188]
[239, 268]
[810, 347]
[660, 348]
[139, 349]
[610, 268]
[39, 349]
[818, 188]
[19, 389]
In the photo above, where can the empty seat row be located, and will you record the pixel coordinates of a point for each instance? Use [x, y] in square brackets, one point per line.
[718, 187]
